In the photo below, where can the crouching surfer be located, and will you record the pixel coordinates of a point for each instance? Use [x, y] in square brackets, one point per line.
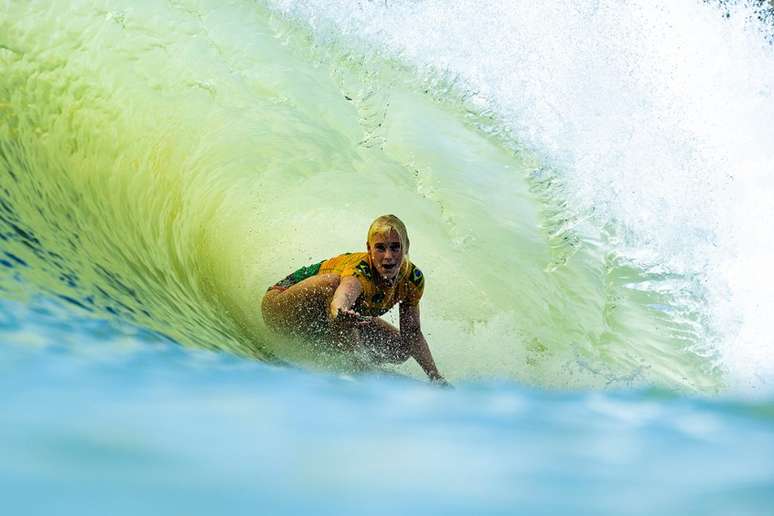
[340, 300]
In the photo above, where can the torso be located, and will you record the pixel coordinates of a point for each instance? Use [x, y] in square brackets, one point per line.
[376, 298]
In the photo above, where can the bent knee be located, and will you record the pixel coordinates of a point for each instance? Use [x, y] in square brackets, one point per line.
[270, 310]
[400, 356]
[403, 353]
[396, 354]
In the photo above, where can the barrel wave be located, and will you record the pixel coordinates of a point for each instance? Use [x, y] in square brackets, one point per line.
[586, 185]
[164, 165]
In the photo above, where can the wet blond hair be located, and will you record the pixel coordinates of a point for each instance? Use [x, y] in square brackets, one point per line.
[382, 226]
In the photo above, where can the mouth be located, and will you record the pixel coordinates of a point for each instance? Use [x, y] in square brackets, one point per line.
[389, 267]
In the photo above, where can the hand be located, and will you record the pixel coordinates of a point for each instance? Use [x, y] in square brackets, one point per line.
[348, 316]
[439, 380]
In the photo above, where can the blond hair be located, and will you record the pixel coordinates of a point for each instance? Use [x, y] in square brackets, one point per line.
[383, 225]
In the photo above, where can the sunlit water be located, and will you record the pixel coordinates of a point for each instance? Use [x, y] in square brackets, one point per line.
[585, 187]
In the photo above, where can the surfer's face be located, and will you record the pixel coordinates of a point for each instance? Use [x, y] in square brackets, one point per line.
[386, 255]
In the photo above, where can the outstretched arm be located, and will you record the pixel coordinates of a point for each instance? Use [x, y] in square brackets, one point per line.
[411, 331]
[344, 319]
[345, 296]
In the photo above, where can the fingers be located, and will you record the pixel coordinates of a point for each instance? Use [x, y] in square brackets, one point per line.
[441, 382]
[348, 315]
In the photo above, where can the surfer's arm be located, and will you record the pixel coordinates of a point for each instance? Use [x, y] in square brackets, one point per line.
[344, 297]
[344, 319]
[411, 332]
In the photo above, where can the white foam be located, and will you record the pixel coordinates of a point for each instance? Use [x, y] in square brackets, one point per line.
[658, 113]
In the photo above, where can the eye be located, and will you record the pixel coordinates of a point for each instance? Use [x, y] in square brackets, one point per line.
[379, 247]
[395, 247]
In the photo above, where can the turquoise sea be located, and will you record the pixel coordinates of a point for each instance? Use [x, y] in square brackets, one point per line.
[587, 189]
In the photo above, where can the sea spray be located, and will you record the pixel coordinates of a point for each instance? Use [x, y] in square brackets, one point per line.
[655, 117]
[192, 157]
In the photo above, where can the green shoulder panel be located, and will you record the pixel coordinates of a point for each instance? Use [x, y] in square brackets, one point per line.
[364, 269]
[300, 275]
[416, 277]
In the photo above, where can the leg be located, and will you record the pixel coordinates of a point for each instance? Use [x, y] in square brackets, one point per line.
[301, 309]
[383, 342]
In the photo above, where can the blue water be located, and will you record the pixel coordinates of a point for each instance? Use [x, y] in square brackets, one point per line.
[590, 222]
[102, 418]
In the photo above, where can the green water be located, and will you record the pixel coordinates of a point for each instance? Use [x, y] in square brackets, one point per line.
[161, 164]
[166, 163]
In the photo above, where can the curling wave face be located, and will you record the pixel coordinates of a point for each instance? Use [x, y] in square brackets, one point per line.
[164, 164]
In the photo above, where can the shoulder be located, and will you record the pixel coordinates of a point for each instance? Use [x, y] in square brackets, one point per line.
[353, 264]
[360, 266]
[345, 261]
[412, 285]
[414, 276]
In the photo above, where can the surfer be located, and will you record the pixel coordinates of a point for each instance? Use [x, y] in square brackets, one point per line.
[340, 300]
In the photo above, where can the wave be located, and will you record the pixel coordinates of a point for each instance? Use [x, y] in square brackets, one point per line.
[165, 164]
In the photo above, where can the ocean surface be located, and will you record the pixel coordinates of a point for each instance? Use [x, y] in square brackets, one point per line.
[587, 186]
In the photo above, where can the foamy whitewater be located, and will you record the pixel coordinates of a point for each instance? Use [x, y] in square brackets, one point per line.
[587, 189]
[657, 116]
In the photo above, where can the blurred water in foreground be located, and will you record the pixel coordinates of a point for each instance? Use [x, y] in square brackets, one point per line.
[586, 184]
[100, 419]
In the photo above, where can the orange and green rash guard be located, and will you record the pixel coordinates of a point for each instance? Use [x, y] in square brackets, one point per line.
[376, 298]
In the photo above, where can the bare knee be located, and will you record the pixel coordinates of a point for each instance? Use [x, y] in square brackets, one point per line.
[301, 308]
[270, 311]
[400, 354]
[385, 343]
[396, 356]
